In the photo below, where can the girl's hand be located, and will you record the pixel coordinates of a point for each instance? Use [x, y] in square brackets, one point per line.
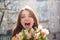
[16, 37]
[19, 36]
[28, 35]
[35, 37]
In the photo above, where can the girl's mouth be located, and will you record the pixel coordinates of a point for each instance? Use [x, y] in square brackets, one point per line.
[27, 24]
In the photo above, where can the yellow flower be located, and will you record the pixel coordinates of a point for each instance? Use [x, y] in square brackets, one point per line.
[26, 31]
[20, 36]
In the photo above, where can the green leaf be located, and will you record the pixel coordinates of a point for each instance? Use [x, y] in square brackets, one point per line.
[40, 37]
[46, 38]
[36, 28]
[24, 35]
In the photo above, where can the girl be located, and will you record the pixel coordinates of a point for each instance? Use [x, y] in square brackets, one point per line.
[26, 20]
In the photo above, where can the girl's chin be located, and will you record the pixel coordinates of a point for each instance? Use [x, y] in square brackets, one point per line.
[26, 27]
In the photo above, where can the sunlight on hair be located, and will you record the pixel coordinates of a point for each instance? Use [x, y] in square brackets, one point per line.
[28, 7]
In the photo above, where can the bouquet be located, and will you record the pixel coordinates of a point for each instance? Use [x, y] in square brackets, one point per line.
[39, 34]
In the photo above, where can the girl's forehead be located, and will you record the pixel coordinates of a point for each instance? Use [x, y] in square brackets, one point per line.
[26, 12]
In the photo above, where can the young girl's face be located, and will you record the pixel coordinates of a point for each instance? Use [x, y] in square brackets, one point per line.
[27, 20]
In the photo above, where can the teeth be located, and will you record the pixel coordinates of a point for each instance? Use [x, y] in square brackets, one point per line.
[27, 23]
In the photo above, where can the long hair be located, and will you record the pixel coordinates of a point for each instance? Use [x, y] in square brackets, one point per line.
[19, 27]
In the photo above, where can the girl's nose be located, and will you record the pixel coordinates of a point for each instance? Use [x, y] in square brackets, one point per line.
[27, 18]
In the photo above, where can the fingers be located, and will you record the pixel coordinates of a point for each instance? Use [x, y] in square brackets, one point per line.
[17, 37]
[28, 36]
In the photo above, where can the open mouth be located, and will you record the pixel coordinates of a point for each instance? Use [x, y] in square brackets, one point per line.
[27, 24]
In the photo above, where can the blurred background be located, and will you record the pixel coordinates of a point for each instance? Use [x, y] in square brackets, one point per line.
[48, 13]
